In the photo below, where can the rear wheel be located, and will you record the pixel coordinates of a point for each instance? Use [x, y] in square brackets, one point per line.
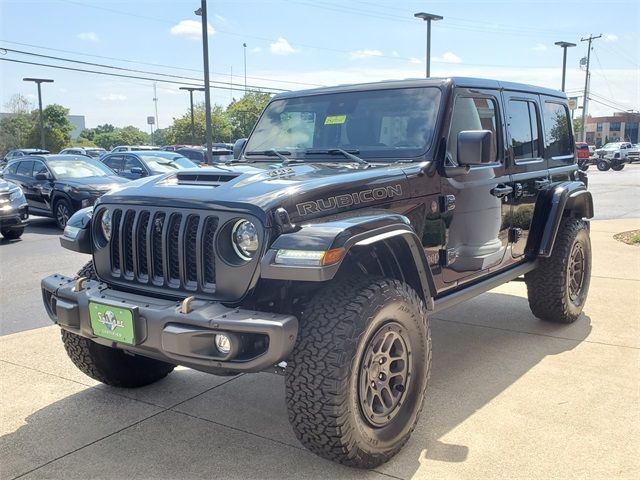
[603, 166]
[356, 380]
[12, 233]
[617, 167]
[110, 365]
[558, 287]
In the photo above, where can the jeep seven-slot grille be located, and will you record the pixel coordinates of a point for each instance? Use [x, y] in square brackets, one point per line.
[164, 249]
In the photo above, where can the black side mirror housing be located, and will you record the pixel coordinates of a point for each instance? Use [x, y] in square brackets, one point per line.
[42, 176]
[474, 147]
[137, 171]
[238, 146]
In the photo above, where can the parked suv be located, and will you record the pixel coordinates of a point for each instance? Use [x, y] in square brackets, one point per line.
[583, 153]
[613, 156]
[93, 152]
[350, 216]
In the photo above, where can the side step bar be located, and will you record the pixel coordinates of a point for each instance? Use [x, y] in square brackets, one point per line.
[483, 286]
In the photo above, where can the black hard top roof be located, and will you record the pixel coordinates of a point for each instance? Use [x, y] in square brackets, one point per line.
[467, 82]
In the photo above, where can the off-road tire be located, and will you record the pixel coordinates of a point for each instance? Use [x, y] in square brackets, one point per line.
[548, 286]
[109, 365]
[325, 370]
[617, 168]
[603, 166]
[12, 233]
[59, 204]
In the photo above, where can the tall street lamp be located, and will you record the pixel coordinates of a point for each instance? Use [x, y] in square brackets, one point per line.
[39, 81]
[193, 125]
[202, 11]
[428, 17]
[244, 45]
[564, 46]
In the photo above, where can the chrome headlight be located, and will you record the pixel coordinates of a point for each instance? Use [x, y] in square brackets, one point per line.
[105, 224]
[244, 238]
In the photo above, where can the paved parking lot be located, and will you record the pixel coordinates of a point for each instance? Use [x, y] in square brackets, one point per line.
[509, 397]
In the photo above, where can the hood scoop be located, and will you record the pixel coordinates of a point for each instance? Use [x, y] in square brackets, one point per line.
[209, 179]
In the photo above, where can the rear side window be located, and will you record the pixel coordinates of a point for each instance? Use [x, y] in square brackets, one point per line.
[523, 129]
[557, 130]
[12, 168]
[25, 168]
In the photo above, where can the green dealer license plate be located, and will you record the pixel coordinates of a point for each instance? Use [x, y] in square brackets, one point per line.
[113, 323]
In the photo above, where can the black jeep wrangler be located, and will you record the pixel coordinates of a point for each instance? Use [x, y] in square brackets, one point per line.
[349, 216]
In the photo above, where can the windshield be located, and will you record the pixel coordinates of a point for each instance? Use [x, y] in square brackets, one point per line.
[391, 123]
[166, 163]
[78, 168]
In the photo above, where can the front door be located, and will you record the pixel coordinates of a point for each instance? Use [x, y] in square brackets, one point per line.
[526, 164]
[477, 224]
[42, 188]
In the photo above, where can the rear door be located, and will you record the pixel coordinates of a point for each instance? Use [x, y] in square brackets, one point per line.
[526, 164]
[24, 177]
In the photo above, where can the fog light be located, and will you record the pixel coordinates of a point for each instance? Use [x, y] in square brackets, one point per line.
[223, 343]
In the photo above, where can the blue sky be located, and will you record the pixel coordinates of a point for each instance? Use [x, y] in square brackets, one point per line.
[298, 44]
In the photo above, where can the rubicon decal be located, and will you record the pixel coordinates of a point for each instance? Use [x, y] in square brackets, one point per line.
[349, 199]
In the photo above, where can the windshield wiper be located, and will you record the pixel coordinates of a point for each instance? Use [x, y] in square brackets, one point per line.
[338, 151]
[276, 153]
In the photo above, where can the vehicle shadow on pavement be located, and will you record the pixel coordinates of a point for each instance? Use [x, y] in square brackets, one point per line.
[43, 226]
[239, 429]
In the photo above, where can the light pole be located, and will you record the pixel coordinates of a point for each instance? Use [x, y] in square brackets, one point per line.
[202, 11]
[564, 46]
[244, 45]
[428, 17]
[193, 125]
[39, 81]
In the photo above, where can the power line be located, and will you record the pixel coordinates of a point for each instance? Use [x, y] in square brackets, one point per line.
[173, 67]
[133, 70]
[120, 75]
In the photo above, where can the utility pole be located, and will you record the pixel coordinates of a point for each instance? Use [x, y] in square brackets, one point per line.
[39, 81]
[231, 85]
[202, 11]
[564, 46]
[244, 45]
[585, 101]
[428, 17]
[155, 100]
[193, 124]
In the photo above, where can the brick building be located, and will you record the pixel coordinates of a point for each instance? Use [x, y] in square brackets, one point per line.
[621, 127]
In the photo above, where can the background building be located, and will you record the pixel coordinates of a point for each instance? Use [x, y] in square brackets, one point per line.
[621, 127]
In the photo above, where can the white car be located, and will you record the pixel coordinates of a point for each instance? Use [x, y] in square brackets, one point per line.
[615, 150]
[633, 154]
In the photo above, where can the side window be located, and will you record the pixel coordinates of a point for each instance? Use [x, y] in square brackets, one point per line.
[472, 113]
[523, 130]
[114, 163]
[12, 169]
[131, 162]
[557, 130]
[39, 167]
[25, 168]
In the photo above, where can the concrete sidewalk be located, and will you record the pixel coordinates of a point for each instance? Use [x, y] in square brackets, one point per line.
[510, 397]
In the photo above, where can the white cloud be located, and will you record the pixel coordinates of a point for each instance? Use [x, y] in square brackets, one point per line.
[610, 37]
[540, 47]
[448, 57]
[88, 36]
[113, 97]
[366, 53]
[395, 53]
[191, 29]
[256, 50]
[415, 61]
[281, 47]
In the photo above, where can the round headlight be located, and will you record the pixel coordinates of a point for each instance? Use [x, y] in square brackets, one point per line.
[105, 223]
[244, 237]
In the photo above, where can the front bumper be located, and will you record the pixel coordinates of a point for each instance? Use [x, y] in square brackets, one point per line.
[164, 333]
[14, 218]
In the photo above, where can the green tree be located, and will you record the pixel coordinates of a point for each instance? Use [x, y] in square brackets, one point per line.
[244, 113]
[128, 135]
[181, 128]
[57, 127]
[89, 133]
[15, 131]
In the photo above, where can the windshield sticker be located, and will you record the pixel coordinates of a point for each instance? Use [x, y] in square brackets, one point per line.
[335, 119]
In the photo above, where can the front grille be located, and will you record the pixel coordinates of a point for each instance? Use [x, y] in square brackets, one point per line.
[164, 249]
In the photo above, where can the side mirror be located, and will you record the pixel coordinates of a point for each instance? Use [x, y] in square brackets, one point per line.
[137, 171]
[238, 146]
[42, 176]
[474, 147]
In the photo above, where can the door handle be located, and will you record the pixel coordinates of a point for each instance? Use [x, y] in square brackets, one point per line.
[540, 184]
[501, 190]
